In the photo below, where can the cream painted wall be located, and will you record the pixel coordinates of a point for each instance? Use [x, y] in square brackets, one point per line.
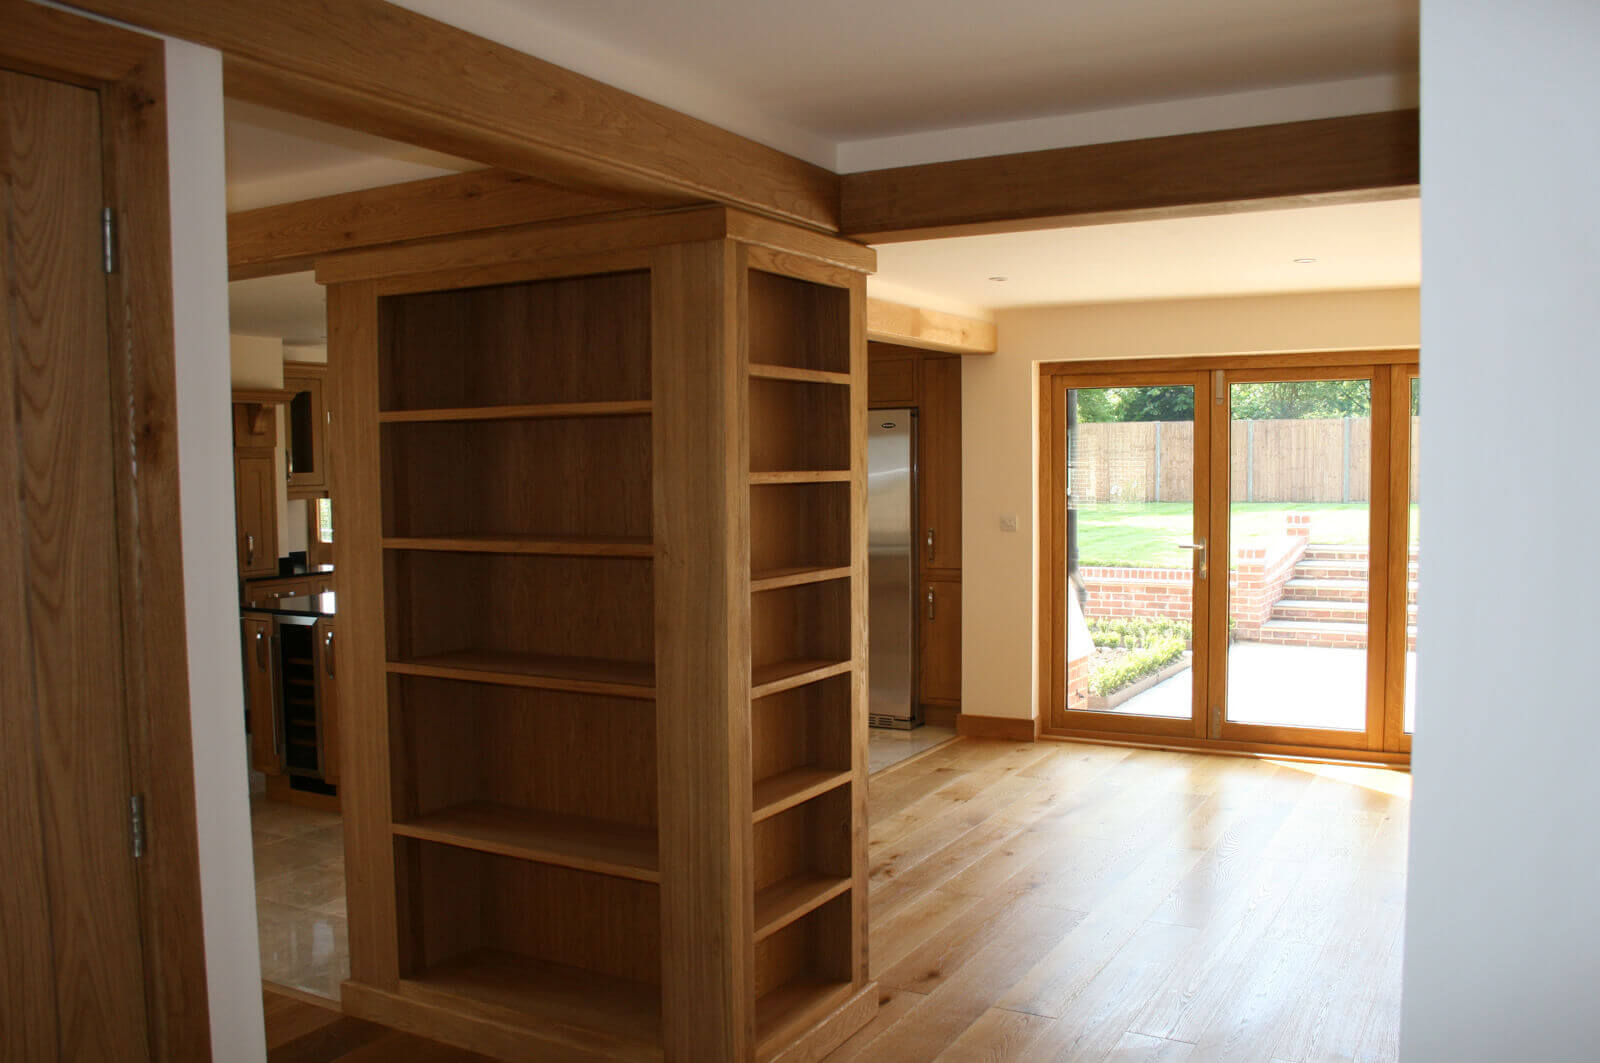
[205, 466]
[1000, 452]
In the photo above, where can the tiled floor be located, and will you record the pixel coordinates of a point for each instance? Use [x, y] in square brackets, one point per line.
[300, 900]
[887, 747]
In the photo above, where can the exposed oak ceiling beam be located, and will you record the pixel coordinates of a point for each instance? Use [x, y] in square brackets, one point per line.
[1331, 160]
[370, 65]
[930, 330]
[290, 237]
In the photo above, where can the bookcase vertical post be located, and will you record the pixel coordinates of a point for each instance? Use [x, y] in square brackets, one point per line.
[702, 655]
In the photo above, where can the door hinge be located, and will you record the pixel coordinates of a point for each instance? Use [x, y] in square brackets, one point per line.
[136, 824]
[108, 239]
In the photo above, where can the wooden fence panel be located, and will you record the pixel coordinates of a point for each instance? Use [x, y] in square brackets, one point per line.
[1324, 460]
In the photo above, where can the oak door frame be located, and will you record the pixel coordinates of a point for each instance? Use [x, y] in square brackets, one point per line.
[1055, 717]
[127, 72]
[1385, 741]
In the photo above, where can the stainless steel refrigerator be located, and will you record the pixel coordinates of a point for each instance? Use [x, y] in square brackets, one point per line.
[891, 569]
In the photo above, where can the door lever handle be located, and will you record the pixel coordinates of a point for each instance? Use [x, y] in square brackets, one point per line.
[1199, 548]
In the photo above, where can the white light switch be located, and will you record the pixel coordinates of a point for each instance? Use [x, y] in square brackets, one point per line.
[1008, 522]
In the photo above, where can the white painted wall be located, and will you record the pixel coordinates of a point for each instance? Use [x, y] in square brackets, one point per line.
[1503, 909]
[999, 434]
[200, 313]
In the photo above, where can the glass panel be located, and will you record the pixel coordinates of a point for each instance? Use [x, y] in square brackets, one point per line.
[324, 520]
[1130, 509]
[1301, 454]
[1412, 559]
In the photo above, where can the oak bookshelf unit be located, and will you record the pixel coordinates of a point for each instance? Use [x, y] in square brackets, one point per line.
[602, 565]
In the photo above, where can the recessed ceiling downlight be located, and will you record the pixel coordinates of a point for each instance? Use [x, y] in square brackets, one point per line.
[1304, 261]
[1001, 279]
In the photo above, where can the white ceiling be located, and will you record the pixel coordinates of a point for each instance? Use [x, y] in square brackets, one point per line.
[273, 157]
[1366, 245]
[293, 307]
[843, 70]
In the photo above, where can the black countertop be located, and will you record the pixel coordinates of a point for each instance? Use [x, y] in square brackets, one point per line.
[298, 605]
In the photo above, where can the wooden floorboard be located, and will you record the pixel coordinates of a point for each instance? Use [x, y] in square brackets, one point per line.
[1060, 901]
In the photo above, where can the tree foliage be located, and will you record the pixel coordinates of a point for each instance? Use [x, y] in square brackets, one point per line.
[1273, 400]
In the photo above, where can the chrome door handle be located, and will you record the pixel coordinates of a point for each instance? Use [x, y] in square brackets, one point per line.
[249, 549]
[261, 650]
[930, 603]
[1199, 548]
[327, 653]
[930, 544]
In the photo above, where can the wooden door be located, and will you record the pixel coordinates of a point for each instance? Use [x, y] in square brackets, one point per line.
[255, 493]
[305, 431]
[324, 657]
[266, 753]
[72, 980]
[940, 679]
[939, 466]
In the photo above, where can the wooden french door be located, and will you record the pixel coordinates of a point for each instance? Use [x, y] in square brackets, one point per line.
[72, 984]
[1229, 552]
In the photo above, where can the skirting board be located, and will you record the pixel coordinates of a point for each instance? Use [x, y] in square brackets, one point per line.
[1010, 728]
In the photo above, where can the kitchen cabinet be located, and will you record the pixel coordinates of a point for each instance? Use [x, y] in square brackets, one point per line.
[939, 659]
[305, 430]
[324, 664]
[261, 695]
[255, 494]
[930, 383]
[939, 466]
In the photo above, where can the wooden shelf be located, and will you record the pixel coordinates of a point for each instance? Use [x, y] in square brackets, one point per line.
[768, 371]
[786, 675]
[552, 545]
[544, 1010]
[798, 895]
[802, 476]
[544, 410]
[545, 837]
[787, 789]
[582, 675]
[794, 1006]
[774, 578]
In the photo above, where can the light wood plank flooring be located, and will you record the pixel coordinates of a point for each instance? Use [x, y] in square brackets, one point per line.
[1063, 901]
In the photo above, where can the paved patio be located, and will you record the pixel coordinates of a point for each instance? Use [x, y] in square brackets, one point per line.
[1291, 686]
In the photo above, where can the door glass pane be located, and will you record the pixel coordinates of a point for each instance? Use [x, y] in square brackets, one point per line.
[1130, 509]
[1412, 559]
[1301, 454]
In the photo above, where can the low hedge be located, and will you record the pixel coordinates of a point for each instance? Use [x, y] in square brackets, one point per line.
[1136, 632]
[1134, 665]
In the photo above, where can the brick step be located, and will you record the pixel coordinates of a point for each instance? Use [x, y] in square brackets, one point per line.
[1341, 612]
[1321, 589]
[1325, 552]
[1333, 568]
[1313, 633]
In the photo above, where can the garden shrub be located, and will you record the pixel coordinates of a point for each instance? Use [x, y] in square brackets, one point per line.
[1156, 653]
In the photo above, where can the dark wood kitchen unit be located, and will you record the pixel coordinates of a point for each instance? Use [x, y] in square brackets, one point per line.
[930, 383]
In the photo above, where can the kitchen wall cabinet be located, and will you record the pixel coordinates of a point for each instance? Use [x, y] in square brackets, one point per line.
[255, 495]
[305, 428]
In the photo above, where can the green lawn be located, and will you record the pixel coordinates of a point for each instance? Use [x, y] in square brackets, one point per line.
[1140, 535]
